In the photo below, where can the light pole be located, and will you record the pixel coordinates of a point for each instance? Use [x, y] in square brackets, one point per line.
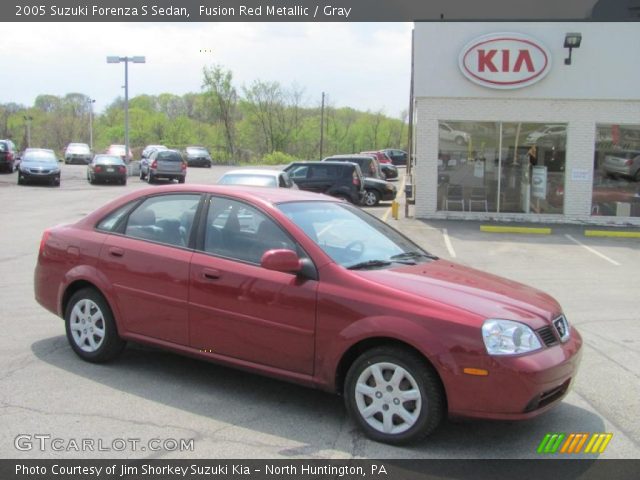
[322, 126]
[91, 101]
[27, 119]
[126, 60]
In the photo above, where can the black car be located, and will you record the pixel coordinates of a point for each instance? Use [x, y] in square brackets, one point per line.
[197, 157]
[376, 189]
[107, 168]
[8, 156]
[338, 179]
[389, 170]
[39, 165]
[398, 157]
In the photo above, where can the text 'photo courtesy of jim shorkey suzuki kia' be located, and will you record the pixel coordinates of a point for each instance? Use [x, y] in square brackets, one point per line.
[311, 289]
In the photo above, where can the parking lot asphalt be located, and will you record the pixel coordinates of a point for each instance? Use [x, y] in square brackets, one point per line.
[149, 394]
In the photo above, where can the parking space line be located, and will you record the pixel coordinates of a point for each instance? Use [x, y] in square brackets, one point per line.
[612, 234]
[447, 242]
[595, 252]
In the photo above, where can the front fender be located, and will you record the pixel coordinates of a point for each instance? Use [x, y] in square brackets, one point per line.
[397, 329]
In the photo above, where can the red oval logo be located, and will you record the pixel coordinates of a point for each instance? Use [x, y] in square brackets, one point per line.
[504, 60]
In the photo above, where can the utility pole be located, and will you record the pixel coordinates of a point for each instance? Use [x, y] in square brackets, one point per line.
[91, 101]
[409, 172]
[321, 126]
[126, 60]
[27, 119]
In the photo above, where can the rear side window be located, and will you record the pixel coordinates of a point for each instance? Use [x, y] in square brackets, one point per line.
[3, 147]
[110, 222]
[323, 171]
[164, 219]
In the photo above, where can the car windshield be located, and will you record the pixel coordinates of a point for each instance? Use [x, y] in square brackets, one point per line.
[351, 237]
[197, 151]
[252, 180]
[40, 157]
[78, 148]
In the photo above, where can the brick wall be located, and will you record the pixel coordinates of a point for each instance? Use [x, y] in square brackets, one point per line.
[581, 117]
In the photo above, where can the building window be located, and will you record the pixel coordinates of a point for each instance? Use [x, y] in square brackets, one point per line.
[501, 167]
[616, 171]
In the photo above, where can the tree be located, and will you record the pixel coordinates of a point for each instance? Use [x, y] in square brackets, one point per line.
[222, 94]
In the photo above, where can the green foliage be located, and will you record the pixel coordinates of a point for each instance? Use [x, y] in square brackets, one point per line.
[269, 123]
[277, 158]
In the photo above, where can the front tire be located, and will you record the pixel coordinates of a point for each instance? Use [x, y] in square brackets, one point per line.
[91, 329]
[394, 395]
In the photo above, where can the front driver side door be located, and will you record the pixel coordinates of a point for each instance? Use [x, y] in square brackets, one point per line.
[239, 309]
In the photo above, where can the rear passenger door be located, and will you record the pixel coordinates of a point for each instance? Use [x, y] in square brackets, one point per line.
[147, 262]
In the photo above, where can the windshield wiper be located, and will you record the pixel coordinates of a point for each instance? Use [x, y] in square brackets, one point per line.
[412, 255]
[369, 264]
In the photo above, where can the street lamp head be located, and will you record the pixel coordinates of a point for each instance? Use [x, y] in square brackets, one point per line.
[113, 59]
[138, 59]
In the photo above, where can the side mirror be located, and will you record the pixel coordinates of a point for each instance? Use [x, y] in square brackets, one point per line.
[281, 260]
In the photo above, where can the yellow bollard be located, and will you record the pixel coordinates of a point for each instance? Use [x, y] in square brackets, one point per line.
[394, 209]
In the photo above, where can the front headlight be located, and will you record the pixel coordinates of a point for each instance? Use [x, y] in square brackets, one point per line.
[506, 337]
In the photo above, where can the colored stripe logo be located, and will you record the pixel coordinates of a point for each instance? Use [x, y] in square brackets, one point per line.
[574, 443]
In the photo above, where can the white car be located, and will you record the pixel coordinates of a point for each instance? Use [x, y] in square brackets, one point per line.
[258, 178]
[534, 136]
[447, 132]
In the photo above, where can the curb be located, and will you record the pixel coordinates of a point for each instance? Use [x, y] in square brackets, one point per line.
[530, 230]
[611, 233]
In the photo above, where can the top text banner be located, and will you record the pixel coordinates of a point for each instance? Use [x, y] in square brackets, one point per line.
[309, 10]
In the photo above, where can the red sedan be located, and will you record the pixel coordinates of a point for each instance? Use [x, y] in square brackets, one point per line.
[310, 289]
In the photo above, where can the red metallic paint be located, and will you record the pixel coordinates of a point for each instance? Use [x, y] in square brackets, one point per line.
[297, 329]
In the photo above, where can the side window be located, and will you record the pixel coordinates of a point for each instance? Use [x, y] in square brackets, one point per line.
[165, 219]
[299, 172]
[238, 231]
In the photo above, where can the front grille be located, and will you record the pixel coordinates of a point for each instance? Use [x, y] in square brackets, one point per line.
[547, 336]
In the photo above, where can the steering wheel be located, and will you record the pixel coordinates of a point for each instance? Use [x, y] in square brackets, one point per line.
[355, 249]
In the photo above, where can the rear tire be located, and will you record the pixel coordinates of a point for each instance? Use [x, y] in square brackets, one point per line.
[90, 326]
[181, 180]
[394, 395]
[142, 175]
[150, 178]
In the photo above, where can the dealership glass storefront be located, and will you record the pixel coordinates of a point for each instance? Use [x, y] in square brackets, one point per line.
[503, 167]
[616, 171]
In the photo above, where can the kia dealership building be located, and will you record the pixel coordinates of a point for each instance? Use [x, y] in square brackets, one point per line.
[527, 121]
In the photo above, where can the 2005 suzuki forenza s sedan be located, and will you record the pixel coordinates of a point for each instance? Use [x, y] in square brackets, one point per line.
[310, 289]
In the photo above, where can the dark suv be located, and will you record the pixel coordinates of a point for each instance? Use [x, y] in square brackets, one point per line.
[376, 188]
[338, 179]
[8, 156]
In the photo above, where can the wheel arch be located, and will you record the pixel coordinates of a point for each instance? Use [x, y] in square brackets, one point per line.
[357, 349]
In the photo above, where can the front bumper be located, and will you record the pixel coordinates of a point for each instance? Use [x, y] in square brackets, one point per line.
[516, 388]
[388, 195]
[38, 177]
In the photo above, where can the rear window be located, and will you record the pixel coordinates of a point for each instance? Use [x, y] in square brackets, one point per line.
[169, 156]
[108, 160]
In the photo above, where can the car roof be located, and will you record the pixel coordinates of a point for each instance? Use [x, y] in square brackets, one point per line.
[350, 155]
[254, 171]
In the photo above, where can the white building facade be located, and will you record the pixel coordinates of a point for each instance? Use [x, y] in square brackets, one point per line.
[505, 129]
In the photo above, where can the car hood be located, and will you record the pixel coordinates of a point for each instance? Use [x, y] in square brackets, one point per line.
[483, 294]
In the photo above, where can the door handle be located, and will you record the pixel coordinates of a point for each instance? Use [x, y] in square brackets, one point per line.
[116, 252]
[210, 274]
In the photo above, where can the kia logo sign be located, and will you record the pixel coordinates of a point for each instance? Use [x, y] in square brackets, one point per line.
[504, 60]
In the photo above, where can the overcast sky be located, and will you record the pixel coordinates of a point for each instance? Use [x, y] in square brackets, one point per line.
[361, 65]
